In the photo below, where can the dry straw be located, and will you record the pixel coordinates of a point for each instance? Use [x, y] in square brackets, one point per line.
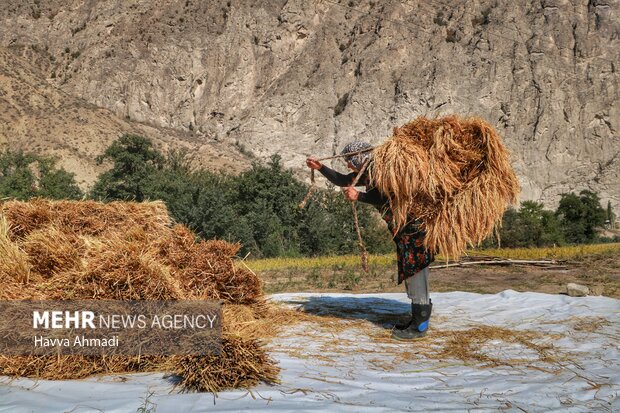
[451, 173]
[14, 264]
[130, 251]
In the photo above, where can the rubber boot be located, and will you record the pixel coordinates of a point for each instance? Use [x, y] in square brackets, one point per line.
[420, 316]
[402, 326]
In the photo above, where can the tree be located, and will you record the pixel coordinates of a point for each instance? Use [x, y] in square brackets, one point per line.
[530, 226]
[177, 184]
[530, 223]
[510, 231]
[23, 176]
[552, 233]
[56, 183]
[540, 227]
[258, 208]
[579, 215]
[215, 213]
[134, 163]
[327, 227]
[268, 197]
[16, 178]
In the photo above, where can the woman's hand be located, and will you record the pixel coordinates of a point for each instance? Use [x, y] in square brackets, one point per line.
[351, 193]
[313, 163]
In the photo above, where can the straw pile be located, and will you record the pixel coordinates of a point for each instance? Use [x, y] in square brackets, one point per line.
[451, 173]
[131, 251]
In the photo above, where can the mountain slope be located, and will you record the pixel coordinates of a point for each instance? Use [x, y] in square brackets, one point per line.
[37, 117]
[300, 77]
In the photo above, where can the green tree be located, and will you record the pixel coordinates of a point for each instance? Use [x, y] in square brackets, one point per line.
[539, 227]
[177, 184]
[530, 223]
[268, 197]
[134, 164]
[327, 225]
[579, 215]
[16, 178]
[530, 226]
[258, 208]
[56, 183]
[23, 176]
[552, 232]
[510, 231]
[215, 214]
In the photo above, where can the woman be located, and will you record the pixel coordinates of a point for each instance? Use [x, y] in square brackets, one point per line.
[413, 258]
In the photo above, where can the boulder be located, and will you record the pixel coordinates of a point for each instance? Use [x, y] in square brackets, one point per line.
[577, 290]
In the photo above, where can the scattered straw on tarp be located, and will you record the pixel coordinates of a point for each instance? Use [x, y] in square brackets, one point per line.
[130, 251]
[452, 173]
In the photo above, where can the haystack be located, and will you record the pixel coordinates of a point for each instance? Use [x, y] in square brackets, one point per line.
[131, 251]
[451, 173]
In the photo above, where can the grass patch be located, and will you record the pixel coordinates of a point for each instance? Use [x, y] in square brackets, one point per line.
[336, 262]
[342, 261]
[560, 253]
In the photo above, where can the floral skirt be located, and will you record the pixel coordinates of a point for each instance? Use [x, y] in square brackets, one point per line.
[411, 254]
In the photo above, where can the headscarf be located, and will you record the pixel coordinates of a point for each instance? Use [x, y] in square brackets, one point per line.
[359, 159]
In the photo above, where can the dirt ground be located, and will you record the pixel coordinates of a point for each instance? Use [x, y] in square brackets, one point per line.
[600, 273]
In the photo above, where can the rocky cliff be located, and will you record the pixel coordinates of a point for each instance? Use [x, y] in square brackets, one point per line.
[303, 77]
[38, 117]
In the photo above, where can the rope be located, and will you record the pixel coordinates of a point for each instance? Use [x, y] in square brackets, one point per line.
[303, 203]
[360, 241]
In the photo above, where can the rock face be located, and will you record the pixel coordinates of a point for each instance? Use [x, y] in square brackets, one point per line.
[304, 77]
[37, 117]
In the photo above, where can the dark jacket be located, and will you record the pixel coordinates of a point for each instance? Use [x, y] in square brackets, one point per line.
[411, 254]
[371, 196]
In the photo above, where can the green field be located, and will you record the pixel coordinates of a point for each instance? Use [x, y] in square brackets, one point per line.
[558, 253]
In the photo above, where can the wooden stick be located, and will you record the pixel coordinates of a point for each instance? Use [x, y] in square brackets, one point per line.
[347, 154]
[360, 242]
[496, 262]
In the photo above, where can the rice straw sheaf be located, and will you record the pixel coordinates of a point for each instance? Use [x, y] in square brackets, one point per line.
[120, 271]
[451, 173]
[85, 217]
[50, 250]
[25, 217]
[242, 363]
[207, 268]
[131, 251]
[14, 265]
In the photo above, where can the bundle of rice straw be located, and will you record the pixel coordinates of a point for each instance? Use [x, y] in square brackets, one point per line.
[451, 173]
[131, 251]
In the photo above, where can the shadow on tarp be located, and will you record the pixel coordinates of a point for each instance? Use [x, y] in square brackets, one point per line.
[381, 311]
